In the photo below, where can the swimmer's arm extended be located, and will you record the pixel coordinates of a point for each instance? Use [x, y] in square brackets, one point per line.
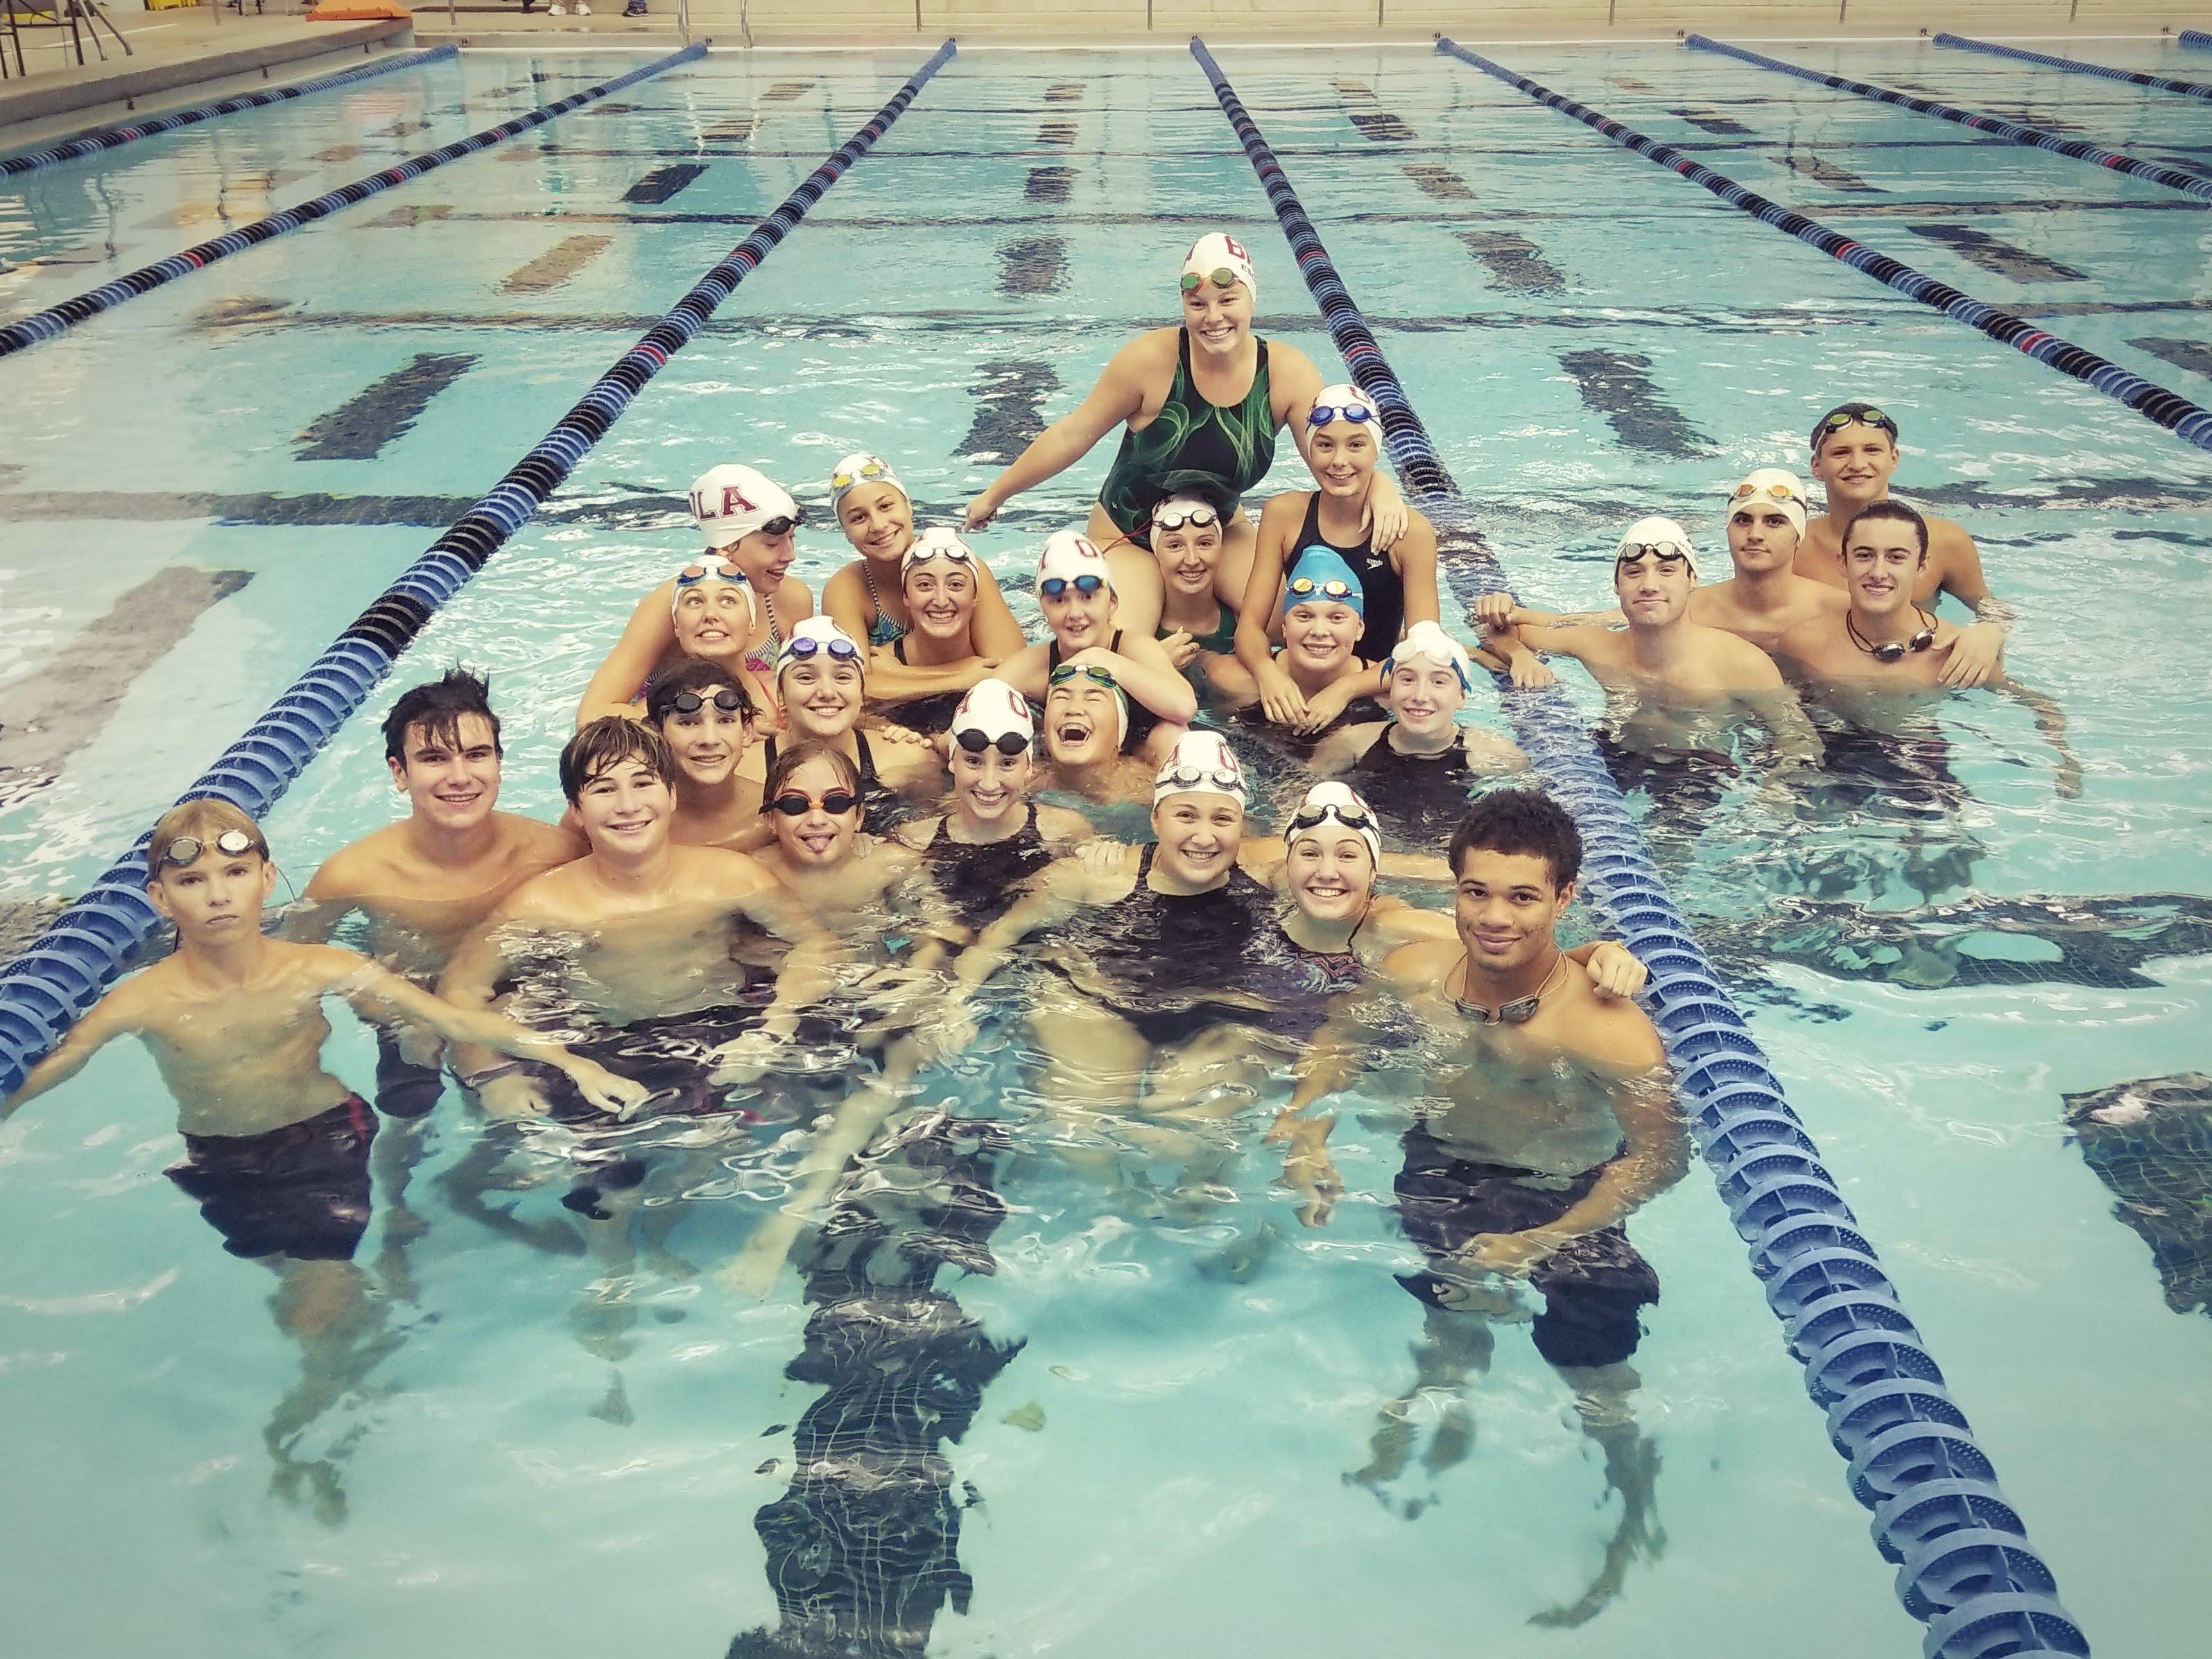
[1796, 743]
[996, 635]
[1144, 670]
[113, 1016]
[472, 981]
[1330, 1064]
[1416, 553]
[1058, 890]
[1117, 397]
[890, 681]
[648, 636]
[2050, 721]
[1497, 611]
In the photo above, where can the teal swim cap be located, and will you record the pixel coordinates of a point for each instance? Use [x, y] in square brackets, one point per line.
[1320, 573]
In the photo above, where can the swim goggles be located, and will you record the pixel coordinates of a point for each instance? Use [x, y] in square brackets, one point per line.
[951, 551]
[1324, 414]
[1519, 1011]
[1334, 588]
[1229, 780]
[702, 570]
[1665, 552]
[690, 702]
[1200, 516]
[1780, 492]
[836, 804]
[1222, 275]
[805, 647]
[975, 741]
[1053, 587]
[231, 844]
[1888, 650]
[1855, 415]
[1068, 672]
[870, 472]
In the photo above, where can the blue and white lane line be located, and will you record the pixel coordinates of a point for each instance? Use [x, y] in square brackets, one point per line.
[2198, 185]
[2185, 420]
[44, 991]
[2077, 66]
[1965, 1564]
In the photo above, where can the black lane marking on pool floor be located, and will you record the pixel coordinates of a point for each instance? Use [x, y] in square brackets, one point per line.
[1823, 172]
[52, 715]
[407, 217]
[1047, 186]
[1618, 384]
[1997, 256]
[1712, 121]
[2195, 355]
[1010, 397]
[657, 186]
[1032, 266]
[550, 269]
[1514, 263]
[360, 428]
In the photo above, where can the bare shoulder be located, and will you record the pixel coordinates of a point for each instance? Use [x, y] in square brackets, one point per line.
[1947, 533]
[539, 841]
[317, 967]
[1061, 824]
[1618, 1038]
[1424, 963]
[1747, 664]
[1287, 509]
[1137, 363]
[1807, 640]
[794, 601]
[352, 870]
[1287, 365]
[919, 832]
[719, 869]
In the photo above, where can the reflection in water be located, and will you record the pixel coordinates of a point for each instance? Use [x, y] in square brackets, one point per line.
[863, 1548]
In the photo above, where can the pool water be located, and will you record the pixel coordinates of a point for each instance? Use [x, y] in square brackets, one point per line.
[1156, 1418]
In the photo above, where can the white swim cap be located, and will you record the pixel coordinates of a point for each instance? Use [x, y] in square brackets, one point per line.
[850, 474]
[935, 543]
[1214, 253]
[1669, 539]
[1427, 643]
[1070, 554]
[730, 502]
[1344, 401]
[1202, 764]
[1772, 487]
[712, 568]
[995, 709]
[1339, 803]
[815, 637]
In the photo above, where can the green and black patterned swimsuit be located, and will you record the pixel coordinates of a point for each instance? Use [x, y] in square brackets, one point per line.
[1219, 449]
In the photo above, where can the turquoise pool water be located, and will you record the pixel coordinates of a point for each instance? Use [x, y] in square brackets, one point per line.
[1161, 1462]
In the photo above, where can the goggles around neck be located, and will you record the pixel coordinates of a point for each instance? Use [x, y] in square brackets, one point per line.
[1520, 1011]
[1202, 517]
[975, 741]
[794, 805]
[1887, 650]
[1087, 584]
[1328, 414]
[231, 844]
[1222, 277]
[690, 702]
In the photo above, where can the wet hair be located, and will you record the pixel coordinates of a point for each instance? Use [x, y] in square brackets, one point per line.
[607, 743]
[205, 820]
[701, 678]
[1521, 821]
[437, 707]
[1861, 415]
[1897, 511]
[788, 761]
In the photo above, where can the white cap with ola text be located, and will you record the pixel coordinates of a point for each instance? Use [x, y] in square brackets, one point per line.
[820, 632]
[730, 502]
[1069, 554]
[995, 709]
[1202, 764]
[1218, 250]
[935, 543]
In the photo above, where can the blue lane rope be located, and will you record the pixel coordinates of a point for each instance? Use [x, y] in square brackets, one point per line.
[92, 144]
[44, 991]
[59, 320]
[2192, 184]
[2077, 66]
[1965, 1566]
[2185, 420]
[2197, 38]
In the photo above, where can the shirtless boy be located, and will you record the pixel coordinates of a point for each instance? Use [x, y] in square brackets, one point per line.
[1855, 454]
[1766, 598]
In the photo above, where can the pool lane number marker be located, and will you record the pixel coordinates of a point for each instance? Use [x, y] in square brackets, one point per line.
[59, 320]
[2185, 420]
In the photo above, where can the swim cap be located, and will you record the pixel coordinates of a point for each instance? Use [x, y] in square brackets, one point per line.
[1427, 643]
[1217, 251]
[1179, 506]
[935, 543]
[850, 474]
[714, 569]
[1344, 401]
[1340, 803]
[814, 636]
[1320, 566]
[1770, 487]
[1069, 673]
[1202, 764]
[730, 502]
[1670, 538]
[1069, 554]
[995, 709]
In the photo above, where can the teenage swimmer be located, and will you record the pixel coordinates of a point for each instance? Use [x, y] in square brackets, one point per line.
[1086, 739]
[1313, 680]
[993, 838]
[1343, 447]
[1076, 590]
[1419, 765]
[821, 677]
[1766, 598]
[1855, 455]
[921, 676]
[749, 523]
[874, 511]
[1548, 1119]
[704, 713]
[1201, 405]
[1198, 626]
[1885, 642]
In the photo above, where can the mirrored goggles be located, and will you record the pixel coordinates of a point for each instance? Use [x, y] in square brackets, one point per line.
[1327, 414]
[841, 482]
[231, 844]
[1053, 587]
[1780, 492]
[1201, 517]
[702, 570]
[1222, 277]
[1334, 588]
[836, 804]
[1067, 673]
[806, 647]
[1006, 742]
[690, 702]
[950, 552]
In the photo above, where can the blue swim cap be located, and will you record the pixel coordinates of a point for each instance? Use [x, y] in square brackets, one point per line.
[1321, 569]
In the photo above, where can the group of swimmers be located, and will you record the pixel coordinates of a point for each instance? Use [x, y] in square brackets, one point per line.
[809, 843]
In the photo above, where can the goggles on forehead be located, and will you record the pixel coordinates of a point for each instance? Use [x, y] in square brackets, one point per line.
[708, 570]
[1053, 587]
[1665, 552]
[950, 552]
[806, 647]
[1313, 818]
[1334, 588]
[975, 741]
[1325, 414]
[1228, 779]
[1068, 672]
[1222, 275]
[870, 472]
[231, 844]
[1780, 492]
[690, 702]
[1860, 417]
[784, 523]
[836, 803]
[1175, 518]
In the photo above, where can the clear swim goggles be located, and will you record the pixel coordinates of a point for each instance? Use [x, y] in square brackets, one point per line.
[231, 844]
[1229, 780]
[1334, 588]
[690, 702]
[1201, 517]
[976, 740]
[1327, 414]
[1222, 275]
[1360, 822]
[1053, 587]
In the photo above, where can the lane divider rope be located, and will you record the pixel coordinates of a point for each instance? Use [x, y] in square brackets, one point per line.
[56, 320]
[2185, 420]
[1965, 1564]
[2077, 66]
[2173, 178]
[92, 144]
[2197, 38]
[45, 990]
